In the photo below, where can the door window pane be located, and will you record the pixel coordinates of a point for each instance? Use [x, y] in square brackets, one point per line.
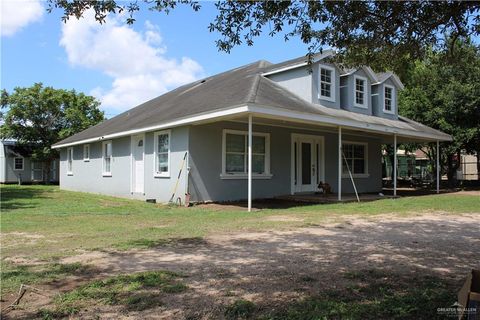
[306, 163]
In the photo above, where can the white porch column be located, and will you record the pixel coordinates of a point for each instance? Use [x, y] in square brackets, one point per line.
[249, 163]
[438, 166]
[339, 163]
[395, 165]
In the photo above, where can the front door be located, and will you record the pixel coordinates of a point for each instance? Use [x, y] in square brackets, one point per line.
[308, 162]
[138, 166]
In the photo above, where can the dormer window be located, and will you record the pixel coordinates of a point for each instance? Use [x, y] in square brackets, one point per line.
[388, 100]
[327, 83]
[360, 92]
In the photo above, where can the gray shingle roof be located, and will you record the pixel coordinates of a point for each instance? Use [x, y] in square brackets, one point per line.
[237, 87]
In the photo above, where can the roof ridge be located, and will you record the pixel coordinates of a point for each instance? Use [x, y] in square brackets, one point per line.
[254, 89]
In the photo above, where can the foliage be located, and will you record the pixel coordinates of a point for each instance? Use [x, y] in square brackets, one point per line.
[443, 92]
[40, 116]
[366, 32]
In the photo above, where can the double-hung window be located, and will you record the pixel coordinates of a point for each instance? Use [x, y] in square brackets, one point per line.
[86, 152]
[360, 91]
[107, 158]
[355, 158]
[388, 99]
[162, 154]
[235, 154]
[327, 83]
[70, 161]
[18, 164]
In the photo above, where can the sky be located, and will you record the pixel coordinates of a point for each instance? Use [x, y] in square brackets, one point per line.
[120, 65]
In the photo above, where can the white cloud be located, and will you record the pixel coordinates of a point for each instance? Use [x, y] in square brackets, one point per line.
[136, 61]
[16, 14]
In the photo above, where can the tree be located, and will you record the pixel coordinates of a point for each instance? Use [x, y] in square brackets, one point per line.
[365, 32]
[443, 92]
[39, 116]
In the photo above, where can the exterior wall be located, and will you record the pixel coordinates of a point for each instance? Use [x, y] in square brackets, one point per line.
[205, 183]
[347, 93]
[378, 96]
[306, 84]
[298, 81]
[316, 86]
[87, 175]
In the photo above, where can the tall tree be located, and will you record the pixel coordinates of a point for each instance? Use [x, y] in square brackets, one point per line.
[444, 92]
[365, 32]
[39, 116]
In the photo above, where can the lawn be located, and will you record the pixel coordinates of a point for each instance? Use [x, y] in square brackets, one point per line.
[41, 225]
[44, 222]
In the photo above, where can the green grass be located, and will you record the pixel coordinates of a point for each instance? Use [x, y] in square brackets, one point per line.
[46, 222]
[240, 309]
[13, 275]
[374, 294]
[134, 292]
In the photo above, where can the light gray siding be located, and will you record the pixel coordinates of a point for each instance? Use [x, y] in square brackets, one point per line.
[306, 83]
[347, 93]
[378, 96]
[87, 175]
[316, 86]
[298, 81]
[206, 163]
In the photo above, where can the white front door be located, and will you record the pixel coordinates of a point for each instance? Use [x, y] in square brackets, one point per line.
[307, 162]
[138, 163]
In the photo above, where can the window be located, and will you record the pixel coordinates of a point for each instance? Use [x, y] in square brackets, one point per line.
[70, 161]
[107, 158]
[162, 154]
[388, 99]
[327, 83]
[86, 152]
[360, 91]
[235, 154]
[18, 164]
[356, 157]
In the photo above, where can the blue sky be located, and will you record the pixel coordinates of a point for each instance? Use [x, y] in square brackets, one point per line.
[122, 65]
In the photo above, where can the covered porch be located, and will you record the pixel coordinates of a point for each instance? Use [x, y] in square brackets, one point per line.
[308, 170]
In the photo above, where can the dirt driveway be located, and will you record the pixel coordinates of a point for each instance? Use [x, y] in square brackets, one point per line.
[273, 268]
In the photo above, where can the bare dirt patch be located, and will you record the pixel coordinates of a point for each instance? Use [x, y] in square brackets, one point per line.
[273, 268]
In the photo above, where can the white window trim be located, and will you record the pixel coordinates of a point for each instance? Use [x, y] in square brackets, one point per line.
[356, 175]
[69, 170]
[365, 92]
[166, 174]
[332, 84]
[23, 163]
[86, 157]
[106, 173]
[393, 99]
[244, 175]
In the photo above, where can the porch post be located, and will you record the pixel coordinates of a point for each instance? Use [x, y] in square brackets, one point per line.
[249, 163]
[339, 163]
[438, 166]
[394, 164]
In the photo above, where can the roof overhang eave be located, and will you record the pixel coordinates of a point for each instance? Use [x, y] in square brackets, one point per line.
[271, 112]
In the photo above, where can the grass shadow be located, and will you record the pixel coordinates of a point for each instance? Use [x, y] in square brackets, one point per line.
[17, 197]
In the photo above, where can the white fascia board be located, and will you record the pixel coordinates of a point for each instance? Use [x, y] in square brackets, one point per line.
[171, 124]
[326, 54]
[334, 121]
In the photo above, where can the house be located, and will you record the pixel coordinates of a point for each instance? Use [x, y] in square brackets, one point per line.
[17, 166]
[299, 124]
